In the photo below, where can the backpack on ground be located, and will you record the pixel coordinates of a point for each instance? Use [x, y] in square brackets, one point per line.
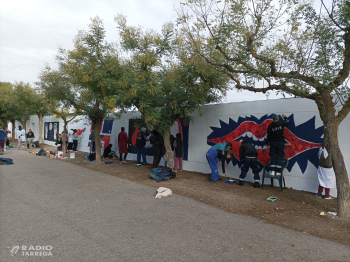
[40, 152]
[160, 174]
[36, 144]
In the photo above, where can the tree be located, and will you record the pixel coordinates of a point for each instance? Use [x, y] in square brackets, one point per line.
[53, 86]
[281, 45]
[6, 103]
[23, 97]
[15, 103]
[164, 81]
[83, 81]
[42, 106]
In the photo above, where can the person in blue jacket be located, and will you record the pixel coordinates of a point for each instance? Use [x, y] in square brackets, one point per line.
[222, 146]
[2, 140]
[213, 156]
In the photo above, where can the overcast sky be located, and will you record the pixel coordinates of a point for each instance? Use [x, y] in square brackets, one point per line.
[32, 30]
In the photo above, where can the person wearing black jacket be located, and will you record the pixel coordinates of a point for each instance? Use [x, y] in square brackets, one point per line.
[141, 140]
[157, 141]
[248, 156]
[107, 150]
[30, 138]
[213, 156]
[275, 139]
[178, 146]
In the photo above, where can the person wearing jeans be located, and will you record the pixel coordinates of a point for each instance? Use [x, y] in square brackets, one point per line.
[213, 157]
[2, 140]
[141, 140]
[275, 139]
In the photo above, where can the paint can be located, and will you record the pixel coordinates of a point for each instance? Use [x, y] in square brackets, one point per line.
[72, 154]
[60, 154]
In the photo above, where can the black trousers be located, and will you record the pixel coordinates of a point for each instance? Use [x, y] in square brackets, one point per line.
[158, 152]
[121, 156]
[252, 163]
[70, 146]
[277, 154]
[75, 145]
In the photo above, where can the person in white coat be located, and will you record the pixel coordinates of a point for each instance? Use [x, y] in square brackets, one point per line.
[70, 139]
[21, 136]
[326, 177]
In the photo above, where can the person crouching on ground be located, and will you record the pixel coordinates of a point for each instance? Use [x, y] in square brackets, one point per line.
[275, 139]
[30, 138]
[2, 140]
[248, 156]
[213, 156]
[108, 152]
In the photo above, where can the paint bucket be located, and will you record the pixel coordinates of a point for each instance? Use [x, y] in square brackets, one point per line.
[72, 154]
[60, 154]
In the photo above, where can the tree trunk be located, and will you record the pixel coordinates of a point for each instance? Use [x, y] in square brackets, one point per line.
[97, 129]
[169, 151]
[41, 119]
[331, 143]
[13, 128]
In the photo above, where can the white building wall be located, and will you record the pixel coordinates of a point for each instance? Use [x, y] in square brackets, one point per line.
[199, 130]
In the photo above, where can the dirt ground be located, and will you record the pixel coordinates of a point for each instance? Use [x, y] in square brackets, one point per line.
[297, 210]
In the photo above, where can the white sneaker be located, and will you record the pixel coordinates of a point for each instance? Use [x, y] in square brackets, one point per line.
[278, 174]
[272, 173]
[124, 161]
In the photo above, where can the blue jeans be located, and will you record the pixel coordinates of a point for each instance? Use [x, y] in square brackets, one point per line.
[277, 154]
[213, 160]
[141, 151]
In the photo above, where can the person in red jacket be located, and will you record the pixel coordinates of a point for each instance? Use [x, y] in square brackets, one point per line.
[123, 143]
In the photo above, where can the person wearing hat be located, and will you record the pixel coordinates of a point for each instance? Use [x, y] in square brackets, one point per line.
[248, 156]
[213, 156]
[276, 140]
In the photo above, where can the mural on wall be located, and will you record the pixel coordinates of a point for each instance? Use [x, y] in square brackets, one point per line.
[302, 141]
[106, 130]
[51, 131]
[81, 131]
[181, 127]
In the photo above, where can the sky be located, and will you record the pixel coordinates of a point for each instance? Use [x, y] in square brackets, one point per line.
[32, 30]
